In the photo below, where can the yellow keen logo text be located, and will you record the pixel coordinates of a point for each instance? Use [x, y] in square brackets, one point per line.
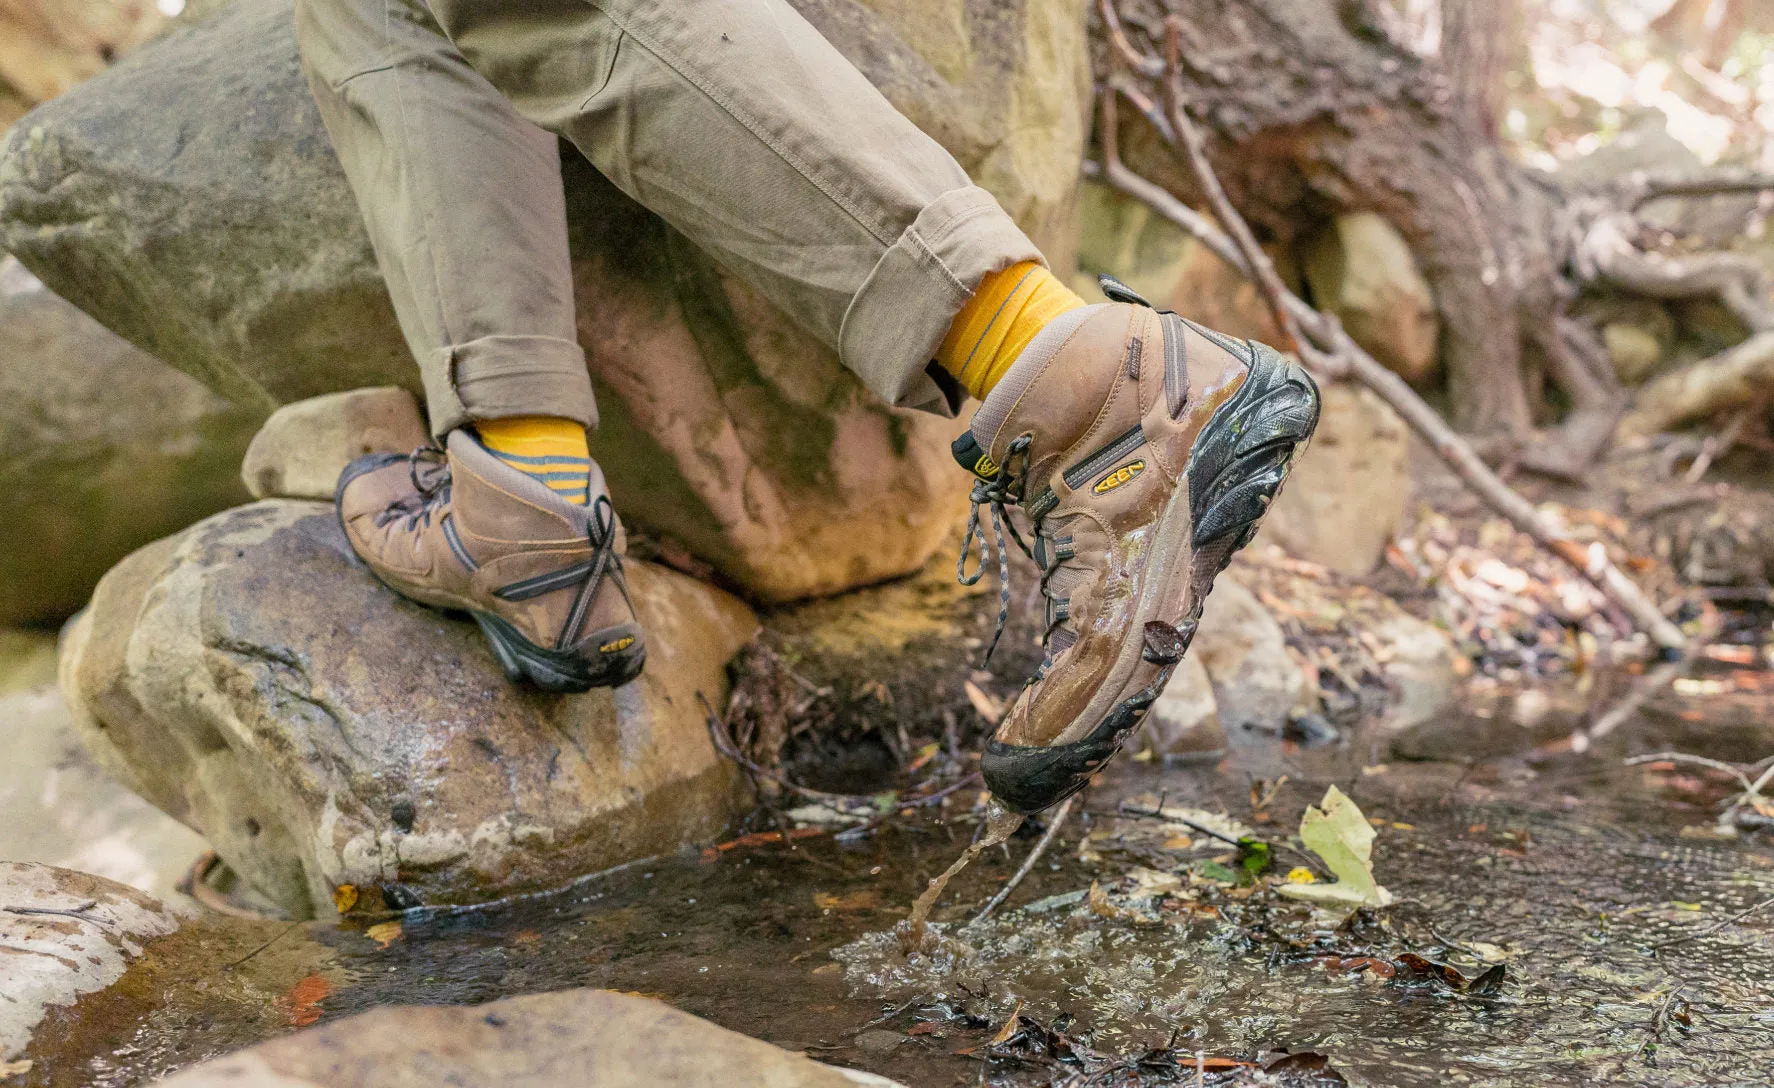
[619, 644]
[985, 467]
[1119, 476]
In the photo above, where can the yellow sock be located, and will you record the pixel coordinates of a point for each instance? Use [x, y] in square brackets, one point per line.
[1004, 314]
[551, 449]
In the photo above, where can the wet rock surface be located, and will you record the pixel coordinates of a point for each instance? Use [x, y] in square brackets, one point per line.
[253, 680]
[64, 934]
[240, 258]
[570, 1039]
[102, 449]
[1256, 685]
[301, 450]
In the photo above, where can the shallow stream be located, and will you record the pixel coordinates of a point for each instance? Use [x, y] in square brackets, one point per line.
[1568, 871]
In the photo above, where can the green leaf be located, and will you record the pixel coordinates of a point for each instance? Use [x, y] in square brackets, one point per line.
[1340, 835]
[1213, 870]
[1253, 857]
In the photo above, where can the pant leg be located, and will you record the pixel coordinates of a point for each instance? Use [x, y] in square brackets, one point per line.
[464, 206]
[751, 134]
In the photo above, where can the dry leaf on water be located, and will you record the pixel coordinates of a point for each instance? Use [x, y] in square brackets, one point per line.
[1339, 834]
[384, 933]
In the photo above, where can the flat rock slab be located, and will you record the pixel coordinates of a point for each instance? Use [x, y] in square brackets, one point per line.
[569, 1039]
[252, 679]
[64, 934]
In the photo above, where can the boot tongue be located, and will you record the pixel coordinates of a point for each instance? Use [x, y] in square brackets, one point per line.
[974, 450]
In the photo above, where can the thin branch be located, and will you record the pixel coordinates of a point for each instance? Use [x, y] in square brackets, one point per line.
[1699, 761]
[1046, 840]
[1708, 931]
[1641, 189]
[1260, 268]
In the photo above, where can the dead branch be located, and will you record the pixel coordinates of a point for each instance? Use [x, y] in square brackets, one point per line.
[1642, 188]
[1327, 348]
[1730, 379]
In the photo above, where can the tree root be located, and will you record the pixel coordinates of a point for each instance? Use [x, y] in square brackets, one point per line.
[1730, 379]
[1324, 347]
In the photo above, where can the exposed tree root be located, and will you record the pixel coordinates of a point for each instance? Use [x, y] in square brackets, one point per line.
[1323, 344]
[1730, 379]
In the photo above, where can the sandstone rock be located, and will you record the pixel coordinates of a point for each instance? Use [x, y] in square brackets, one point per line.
[1349, 489]
[1420, 668]
[252, 679]
[47, 46]
[567, 1039]
[240, 258]
[1362, 270]
[1184, 724]
[64, 934]
[1256, 685]
[102, 449]
[302, 448]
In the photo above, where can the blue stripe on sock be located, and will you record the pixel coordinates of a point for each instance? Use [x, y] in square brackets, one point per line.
[517, 459]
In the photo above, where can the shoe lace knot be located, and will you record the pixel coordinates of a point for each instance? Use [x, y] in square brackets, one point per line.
[605, 563]
[997, 494]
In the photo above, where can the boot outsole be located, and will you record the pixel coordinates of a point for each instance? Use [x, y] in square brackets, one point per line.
[567, 672]
[1237, 467]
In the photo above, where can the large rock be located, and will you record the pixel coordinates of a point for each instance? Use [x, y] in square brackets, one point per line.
[1184, 723]
[252, 679]
[102, 449]
[567, 1039]
[190, 200]
[1349, 489]
[1257, 686]
[1361, 269]
[301, 450]
[64, 934]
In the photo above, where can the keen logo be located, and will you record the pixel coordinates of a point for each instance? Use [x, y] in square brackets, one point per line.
[985, 468]
[1118, 477]
[613, 647]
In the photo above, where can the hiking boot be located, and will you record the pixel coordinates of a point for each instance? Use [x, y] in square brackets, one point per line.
[1144, 450]
[465, 531]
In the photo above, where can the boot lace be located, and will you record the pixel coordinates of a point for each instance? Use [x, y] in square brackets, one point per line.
[605, 563]
[997, 495]
[428, 467]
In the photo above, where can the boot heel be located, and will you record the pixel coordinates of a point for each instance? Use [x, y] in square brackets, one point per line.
[607, 660]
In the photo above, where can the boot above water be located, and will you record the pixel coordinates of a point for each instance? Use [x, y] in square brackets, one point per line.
[1144, 450]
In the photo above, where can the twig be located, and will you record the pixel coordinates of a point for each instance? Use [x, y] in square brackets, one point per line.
[1647, 686]
[1683, 757]
[1708, 931]
[77, 912]
[1333, 354]
[1261, 269]
[1046, 840]
[723, 741]
[280, 935]
[1749, 796]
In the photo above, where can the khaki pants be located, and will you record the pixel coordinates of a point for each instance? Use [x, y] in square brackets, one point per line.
[731, 119]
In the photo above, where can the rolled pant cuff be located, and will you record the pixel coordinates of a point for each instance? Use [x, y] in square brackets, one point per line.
[898, 319]
[496, 377]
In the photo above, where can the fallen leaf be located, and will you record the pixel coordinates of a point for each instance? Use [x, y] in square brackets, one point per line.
[1009, 1028]
[863, 899]
[384, 933]
[344, 897]
[16, 1069]
[301, 1005]
[989, 708]
[1299, 874]
[1339, 834]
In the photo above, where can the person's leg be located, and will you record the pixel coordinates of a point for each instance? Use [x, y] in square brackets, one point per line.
[740, 125]
[463, 202]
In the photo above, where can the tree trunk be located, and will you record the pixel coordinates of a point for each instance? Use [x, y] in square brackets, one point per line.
[1315, 108]
[1480, 41]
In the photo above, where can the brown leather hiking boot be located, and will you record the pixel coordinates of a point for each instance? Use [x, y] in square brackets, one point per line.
[465, 531]
[1144, 451]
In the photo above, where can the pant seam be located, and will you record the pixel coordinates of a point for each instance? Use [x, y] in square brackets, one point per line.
[881, 237]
